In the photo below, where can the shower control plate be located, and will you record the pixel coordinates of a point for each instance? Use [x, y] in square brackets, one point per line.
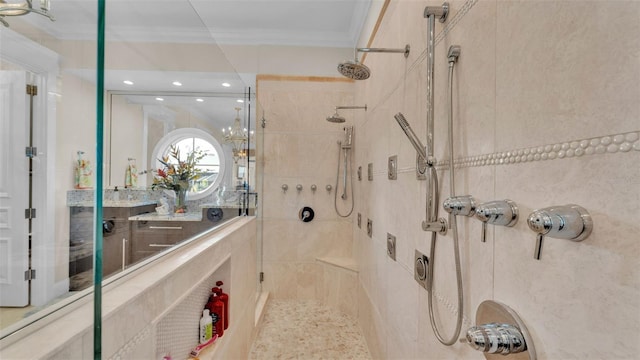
[421, 269]
[421, 168]
[391, 246]
[392, 167]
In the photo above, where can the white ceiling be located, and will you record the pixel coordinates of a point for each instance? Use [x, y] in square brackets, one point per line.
[294, 23]
[333, 23]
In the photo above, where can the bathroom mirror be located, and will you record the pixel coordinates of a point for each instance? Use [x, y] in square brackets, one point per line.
[60, 58]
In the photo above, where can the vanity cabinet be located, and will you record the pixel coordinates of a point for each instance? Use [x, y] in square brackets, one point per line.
[153, 236]
[153, 233]
[116, 241]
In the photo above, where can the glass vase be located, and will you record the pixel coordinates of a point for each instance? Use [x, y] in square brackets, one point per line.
[181, 201]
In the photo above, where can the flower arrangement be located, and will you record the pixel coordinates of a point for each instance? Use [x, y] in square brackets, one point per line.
[178, 174]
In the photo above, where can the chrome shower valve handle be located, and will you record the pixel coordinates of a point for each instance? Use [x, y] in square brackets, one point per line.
[463, 205]
[570, 222]
[501, 212]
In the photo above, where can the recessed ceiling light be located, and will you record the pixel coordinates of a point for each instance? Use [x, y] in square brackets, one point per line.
[177, 83]
[226, 84]
[159, 99]
[199, 100]
[128, 82]
[240, 100]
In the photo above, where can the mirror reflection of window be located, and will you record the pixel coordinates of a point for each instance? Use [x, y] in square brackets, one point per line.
[211, 165]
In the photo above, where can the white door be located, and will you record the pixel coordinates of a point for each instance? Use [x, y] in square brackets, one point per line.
[14, 180]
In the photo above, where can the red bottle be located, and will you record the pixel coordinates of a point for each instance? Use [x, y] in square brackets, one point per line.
[217, 315]
[225, 299]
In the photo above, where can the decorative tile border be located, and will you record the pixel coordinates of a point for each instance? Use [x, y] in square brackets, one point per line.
[608, 144]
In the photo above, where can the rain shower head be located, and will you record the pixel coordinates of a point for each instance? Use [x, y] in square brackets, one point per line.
[355, 70]
[417, 144]
[336, 118]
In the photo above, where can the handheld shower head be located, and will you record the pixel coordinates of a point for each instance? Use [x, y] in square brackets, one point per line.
[417, 144]
[354, 70]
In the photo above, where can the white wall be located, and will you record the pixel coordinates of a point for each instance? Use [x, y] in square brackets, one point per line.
[531, 77]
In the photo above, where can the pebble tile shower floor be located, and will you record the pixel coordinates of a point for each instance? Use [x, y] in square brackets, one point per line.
[294, 329]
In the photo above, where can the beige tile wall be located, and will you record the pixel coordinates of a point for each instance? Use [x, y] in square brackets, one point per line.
[530, 74]
[300, 147]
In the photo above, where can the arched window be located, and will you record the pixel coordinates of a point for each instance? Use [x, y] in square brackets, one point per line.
[211, 166]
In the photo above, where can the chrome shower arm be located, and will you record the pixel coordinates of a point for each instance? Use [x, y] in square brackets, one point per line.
[405, 51]
[351, 107]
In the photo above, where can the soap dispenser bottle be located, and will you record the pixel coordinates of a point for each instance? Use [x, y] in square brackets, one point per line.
[225, 299]
[206, 327]
[116, 194]
[217, 315]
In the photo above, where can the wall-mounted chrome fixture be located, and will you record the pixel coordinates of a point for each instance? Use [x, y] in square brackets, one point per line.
[391, 246]
[413, 139]
[421, 269]
[500, 331]
[306, 214]
[328, 188]
[18, 8]
[314, 187]
[336, 118]
[358, 71]
[463, 205]
[359, 173]
[392, 167]
[370, 228]
[344, 148]
[299, 187]
[501, 212]
[570, 222]
[284, 187]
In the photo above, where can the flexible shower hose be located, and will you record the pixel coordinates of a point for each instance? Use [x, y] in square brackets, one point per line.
[454, 228]
[335, 202]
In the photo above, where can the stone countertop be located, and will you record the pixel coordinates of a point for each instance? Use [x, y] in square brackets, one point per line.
[191, 216]
[111, 203]
[224, 206]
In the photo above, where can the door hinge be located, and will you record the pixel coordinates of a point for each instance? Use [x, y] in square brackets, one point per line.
[261, 276]
[30, 275]
[30, 213]
[31, 151]
[32, 90]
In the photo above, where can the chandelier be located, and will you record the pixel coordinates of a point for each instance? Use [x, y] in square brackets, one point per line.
[22, 7]
[237, 136]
